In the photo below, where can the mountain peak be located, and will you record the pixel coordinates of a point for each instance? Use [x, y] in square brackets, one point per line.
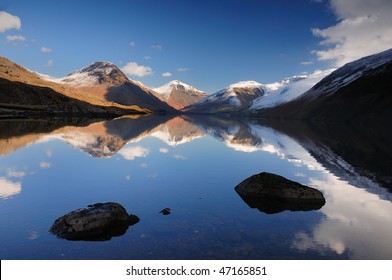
[99, 66]
[97, 73]
[166, 89]
[179, 95]
[246, 84]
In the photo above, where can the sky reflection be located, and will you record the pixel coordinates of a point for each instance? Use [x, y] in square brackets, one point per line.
[181, 163]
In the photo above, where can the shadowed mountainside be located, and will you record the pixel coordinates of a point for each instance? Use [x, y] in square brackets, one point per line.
[106, 82]
[358, 90]
[347, 150]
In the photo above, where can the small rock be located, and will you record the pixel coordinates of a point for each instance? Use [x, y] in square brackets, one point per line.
[97, 222]
[271, 193]
[165, 211]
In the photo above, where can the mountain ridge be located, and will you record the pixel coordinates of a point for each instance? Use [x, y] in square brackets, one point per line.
[233, 98]
[23, 92]
[358, 90]
[105, 81]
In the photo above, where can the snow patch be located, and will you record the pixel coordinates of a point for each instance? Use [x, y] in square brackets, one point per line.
[288, 89]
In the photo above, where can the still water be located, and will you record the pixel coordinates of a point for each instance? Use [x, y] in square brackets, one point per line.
[191, 165]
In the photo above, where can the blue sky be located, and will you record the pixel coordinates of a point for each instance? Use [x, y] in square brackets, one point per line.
[208, 44]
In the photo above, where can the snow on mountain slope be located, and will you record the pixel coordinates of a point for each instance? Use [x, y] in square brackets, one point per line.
[252, 96]
[288, 89]
[168, 88]
[95, 74]
[233, 98]
[230, 94]
[358, 90]
[352, 71]
[104, 81]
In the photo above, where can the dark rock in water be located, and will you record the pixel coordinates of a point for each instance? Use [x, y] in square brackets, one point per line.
[271, 193]
[165, 211]
[97, 222]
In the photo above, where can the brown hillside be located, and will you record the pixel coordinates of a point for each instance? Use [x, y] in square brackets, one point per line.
[23, 90]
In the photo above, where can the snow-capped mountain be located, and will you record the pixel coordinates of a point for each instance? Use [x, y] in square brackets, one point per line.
[358, 90]
[97, 73]
[287, 89]
[367, 66]
[180, 95]
[23, 91]
[105, 81]
[249, 97]
[234, 98]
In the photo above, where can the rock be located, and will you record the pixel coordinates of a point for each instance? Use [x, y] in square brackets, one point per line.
[165, 211]
[97, 222]
[271, 193]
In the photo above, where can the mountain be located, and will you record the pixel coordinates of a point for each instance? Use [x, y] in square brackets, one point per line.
[358, 90]
[107, 82]
[287, 89]
[238, 98]
[97, 73]
[180, 95]
[23, 92]
[234, 98]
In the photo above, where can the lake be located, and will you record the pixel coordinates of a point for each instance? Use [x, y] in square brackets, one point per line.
[191, 164]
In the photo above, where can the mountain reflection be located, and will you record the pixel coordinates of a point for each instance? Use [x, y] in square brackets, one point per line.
[358, 155]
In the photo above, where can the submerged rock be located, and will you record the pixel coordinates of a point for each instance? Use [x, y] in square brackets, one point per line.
[271, 193]
[97, 222]
[165, 211]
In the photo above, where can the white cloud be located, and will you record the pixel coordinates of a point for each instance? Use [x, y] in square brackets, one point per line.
[134, 69]
[12, 38]
[49, 63]
[157, 47]
[364, 28]
[130, 153]
[179, 157]
[306, 62]
[15, 174]
[46, 50]
[147, 57]
[44, 165]
[8, 188]
[132, 44]
[166, 74]
[183, 69]
[128, 177]
[164, 150]
[8, 21]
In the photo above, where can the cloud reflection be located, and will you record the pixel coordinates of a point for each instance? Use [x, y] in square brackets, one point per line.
[44, 164]
[8, 188]
[130, 153]
[355, 221]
